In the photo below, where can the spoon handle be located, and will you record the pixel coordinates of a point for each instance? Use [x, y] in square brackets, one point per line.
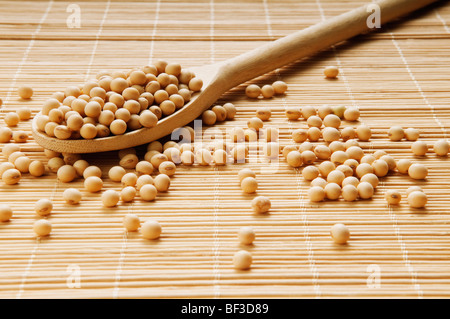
[312, 39]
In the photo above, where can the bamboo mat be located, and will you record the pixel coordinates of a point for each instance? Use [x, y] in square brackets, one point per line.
[397, 76]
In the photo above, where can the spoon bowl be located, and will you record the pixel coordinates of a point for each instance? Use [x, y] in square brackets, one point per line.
[189, 112]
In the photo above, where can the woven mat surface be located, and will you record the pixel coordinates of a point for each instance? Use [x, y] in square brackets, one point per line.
[396, 76]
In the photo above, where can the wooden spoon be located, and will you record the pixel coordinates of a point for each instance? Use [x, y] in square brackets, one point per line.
[221, 77]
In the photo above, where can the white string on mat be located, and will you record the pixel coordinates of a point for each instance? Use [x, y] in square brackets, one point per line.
[342, 72]
[33, 252]
[122, 256]
[392, 215]
[404, 251]
[216, 240]
[130, 209]
[13, 83]
[97, 37]
[311, 258]
[407, 262]
[155, 25]
[27, 270]
[25, 55]
[444, 24]
[338, 60]
[30, 262]
[390, 211]
[416, 83]
[343, 76]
